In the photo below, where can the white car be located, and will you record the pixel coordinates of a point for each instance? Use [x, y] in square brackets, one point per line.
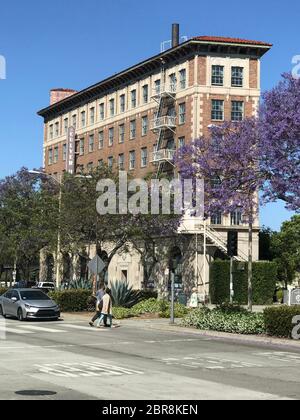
[46, 285]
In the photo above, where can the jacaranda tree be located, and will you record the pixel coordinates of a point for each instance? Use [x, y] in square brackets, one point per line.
[280, 142]
[228, 162]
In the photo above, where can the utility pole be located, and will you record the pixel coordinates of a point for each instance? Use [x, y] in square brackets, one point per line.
[172, 297]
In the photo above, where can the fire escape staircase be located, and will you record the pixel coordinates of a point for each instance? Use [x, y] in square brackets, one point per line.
[164, 125]
[212, 236]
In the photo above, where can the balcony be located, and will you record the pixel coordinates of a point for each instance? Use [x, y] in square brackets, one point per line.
[163, 123]
[164, 90]
[163, 155]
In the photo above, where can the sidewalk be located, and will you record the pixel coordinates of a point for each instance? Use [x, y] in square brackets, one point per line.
[164, 325]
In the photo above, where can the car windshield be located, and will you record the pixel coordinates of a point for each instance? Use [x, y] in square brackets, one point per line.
[47, 284]
[31, 295]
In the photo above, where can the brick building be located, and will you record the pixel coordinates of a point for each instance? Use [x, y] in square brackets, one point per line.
[137, 118]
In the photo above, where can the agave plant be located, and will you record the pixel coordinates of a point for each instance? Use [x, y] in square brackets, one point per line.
[81, 284]
[123, 295]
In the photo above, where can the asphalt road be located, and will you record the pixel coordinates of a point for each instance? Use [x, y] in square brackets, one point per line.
[70, 360]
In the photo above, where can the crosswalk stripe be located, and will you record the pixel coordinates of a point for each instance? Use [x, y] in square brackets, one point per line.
[42, 329]
[14, 331]
[79, 327]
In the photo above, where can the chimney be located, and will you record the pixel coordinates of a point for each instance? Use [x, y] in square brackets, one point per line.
[175, 35]
[57, 95]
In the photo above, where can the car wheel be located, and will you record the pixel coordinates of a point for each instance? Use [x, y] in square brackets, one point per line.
[1, 312]
[20, 315]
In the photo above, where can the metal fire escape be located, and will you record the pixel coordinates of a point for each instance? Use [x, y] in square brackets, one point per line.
[164, 123]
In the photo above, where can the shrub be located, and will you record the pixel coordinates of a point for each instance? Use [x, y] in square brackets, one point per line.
[216, 320]
[148, 294]
[279, 320]
[123, 295]
[180, 311]
[72, 300]
[3, 290]
[147, 306]
[264, 282]
[121, 313]
[231, 308]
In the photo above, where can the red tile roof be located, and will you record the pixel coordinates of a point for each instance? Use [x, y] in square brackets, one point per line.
[230, 40]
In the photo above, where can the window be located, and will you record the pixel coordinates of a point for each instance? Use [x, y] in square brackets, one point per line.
[50, 157]
[101, 112]
[64, 152]
[51, 132]
[101, 139]
[133, 99]
[56, 154]
[144, 157]
[157, 86]
[66, 125]
[237, 76]
[237, 111]
[132, 160]
[145, 94]
[80, 169]
[112, 107]
[111, 134]
[92, 116]
[122, 103]
[100, 163]
[121, 133]
[182, 114]
[91, 143]
[110, 162]
[121, 162]
[217, 77]
[216, 219]
[144, 126]
[74, 121]
[182, 79]
[181, 142]
[217, 112]
[173, 81]
[81, 147]
[89, 166]
[236, 218]
[83, 120]
[56, 129]
[132, 129]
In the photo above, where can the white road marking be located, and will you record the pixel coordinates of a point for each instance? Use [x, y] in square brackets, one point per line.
[85, 369]
[15, 331]
[42, 329]
[79, 327]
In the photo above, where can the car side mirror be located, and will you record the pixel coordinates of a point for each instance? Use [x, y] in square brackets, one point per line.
[14, 299]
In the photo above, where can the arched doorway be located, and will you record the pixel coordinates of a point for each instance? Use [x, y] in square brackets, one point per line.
[176, 269]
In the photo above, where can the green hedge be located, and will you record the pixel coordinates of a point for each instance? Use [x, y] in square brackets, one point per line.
[3, 290]
[230, 322]
[264, 282]
[72, 300]
[279, 320]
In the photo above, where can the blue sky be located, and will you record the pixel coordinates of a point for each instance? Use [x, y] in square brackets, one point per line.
[70, 43]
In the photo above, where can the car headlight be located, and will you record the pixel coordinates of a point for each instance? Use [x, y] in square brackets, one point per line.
[27, 307]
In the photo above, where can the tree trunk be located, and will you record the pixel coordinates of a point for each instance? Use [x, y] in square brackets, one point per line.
[250, 266]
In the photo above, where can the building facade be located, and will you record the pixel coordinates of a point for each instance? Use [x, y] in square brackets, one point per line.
[137, 119]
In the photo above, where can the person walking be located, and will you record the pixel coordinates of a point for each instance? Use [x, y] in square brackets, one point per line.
[99, 296]
[106, 312]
